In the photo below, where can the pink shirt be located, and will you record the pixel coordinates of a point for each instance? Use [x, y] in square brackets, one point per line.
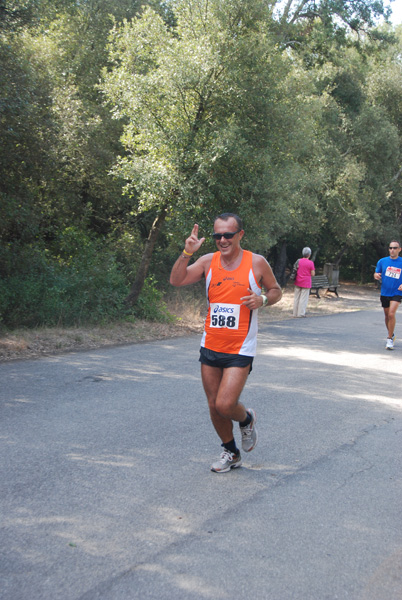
[303, 277]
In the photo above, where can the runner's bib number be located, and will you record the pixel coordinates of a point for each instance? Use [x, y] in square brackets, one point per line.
[224, 315]
[393, 272]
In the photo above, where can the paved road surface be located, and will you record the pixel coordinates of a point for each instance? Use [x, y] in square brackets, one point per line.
[106, 491]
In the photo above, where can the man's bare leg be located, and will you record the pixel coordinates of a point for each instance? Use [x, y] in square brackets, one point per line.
[223, 388]
[390, 317]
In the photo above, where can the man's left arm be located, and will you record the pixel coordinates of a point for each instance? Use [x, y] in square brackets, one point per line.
[267, 279]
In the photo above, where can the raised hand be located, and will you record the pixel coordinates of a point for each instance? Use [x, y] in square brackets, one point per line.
[192, 242]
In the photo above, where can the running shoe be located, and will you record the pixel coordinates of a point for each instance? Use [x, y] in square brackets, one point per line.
[226, 462]
[390, 344]
[249, 435]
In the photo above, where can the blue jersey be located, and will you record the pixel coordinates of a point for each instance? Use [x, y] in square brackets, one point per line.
[391, 273]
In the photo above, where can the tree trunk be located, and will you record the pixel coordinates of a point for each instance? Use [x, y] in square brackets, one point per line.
[314, 255]
[280, 265]
[340, 254]
[380, 248]
[142, 270]
[363, 265]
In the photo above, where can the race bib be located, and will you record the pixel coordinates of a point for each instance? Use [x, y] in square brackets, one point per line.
[393, 272]
[224, 315]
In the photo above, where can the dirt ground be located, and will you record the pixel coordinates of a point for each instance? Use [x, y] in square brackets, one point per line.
[34, 343]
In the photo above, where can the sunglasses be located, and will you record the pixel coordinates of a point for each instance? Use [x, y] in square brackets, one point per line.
[228, 235]
[394, 247]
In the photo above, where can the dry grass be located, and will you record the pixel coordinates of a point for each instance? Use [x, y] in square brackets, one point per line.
[189, 307]
[351, 298]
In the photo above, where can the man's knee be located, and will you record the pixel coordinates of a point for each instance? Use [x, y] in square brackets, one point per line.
[225, 407]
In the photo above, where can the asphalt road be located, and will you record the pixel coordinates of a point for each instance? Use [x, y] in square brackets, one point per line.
[106, 491]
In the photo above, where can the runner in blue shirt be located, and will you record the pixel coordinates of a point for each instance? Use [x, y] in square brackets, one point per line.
[389, 272]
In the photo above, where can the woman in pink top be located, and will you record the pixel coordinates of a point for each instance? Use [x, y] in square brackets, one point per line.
[305, 271]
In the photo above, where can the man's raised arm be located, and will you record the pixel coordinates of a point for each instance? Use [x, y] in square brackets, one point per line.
[182, 273]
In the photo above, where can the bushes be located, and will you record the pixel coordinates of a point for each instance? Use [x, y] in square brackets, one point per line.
[150, 305]
[84, 286]
[47, 291]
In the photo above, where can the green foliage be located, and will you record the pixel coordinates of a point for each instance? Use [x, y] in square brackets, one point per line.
[288, 113]
[39, 289]
[327, 25]
[206, 108]
[150, 305]
[82, 284]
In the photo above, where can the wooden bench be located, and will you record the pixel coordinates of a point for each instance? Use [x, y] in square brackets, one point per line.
[320, 282]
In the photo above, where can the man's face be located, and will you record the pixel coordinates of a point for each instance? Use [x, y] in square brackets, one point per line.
[394, 249]
[230, 226]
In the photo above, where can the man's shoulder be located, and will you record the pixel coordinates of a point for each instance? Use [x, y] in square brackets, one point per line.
[258, 260]
[393, 261]
[257, 257]
[260, 265]
[206, 259]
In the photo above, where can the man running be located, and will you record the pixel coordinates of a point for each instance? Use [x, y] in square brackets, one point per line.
[388, 271]
[234, 278]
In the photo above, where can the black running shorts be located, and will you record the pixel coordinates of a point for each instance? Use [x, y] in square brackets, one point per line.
[385, 300]
[223, 360]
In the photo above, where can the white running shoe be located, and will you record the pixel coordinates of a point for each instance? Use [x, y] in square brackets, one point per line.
[227, 461]
[390, 344]
[249, 435]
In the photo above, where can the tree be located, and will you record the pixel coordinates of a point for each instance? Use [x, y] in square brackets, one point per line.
[359, 146]
[203, 107]
[58, 140]
[328, 22]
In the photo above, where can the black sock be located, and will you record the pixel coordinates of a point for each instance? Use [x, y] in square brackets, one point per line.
[247, 421]
[231, 446]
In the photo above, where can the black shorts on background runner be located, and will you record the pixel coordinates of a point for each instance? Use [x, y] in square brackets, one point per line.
[385, 300]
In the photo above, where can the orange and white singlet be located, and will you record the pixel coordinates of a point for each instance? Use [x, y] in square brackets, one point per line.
[229, 326]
